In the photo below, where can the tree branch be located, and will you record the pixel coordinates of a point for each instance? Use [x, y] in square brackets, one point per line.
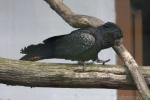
[13, 72]
[75, 20]
[80, 21]
[134, 70]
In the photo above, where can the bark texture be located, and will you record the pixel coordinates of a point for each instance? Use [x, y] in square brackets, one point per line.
[35, 74]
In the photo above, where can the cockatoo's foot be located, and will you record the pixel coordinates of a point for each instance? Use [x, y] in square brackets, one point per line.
[102, 61]
[82, 63]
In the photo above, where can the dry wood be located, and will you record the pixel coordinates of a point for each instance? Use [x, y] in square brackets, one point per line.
[80, 21]
[75, 20]
[34, 74]
[133, 67]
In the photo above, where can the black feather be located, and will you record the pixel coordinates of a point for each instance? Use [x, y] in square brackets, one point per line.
[31, 49]
[80, 45]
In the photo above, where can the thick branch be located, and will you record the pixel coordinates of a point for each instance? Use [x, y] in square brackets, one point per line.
[86, 21]
[75, 20]
[133, 67]
[33, 74]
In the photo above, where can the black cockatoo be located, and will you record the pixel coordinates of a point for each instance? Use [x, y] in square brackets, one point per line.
[80, 45]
